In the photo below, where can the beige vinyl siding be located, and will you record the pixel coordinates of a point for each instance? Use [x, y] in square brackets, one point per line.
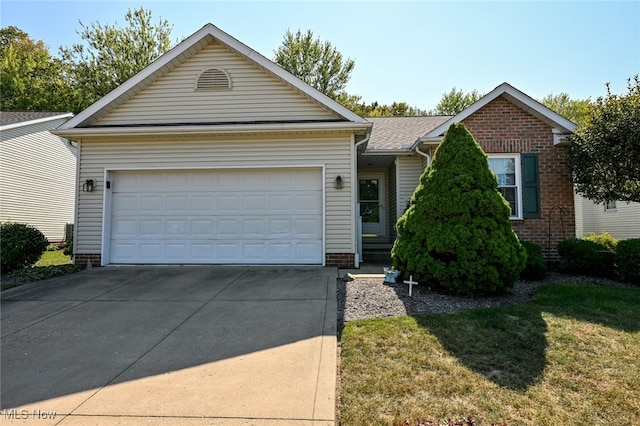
[190, 153]
[393, 203]
[622, 223]
[408, 171]
[255, 95]
[37, 178]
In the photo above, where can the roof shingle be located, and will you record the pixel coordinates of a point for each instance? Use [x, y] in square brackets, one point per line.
[399, 133]
[13, 117]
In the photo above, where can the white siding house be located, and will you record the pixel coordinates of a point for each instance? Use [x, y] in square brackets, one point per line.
[37, 172]
[618, 218]
[213, 154]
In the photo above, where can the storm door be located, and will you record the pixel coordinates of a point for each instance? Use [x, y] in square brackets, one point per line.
[371, 199]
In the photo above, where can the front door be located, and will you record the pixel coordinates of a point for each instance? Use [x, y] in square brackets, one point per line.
[371, 199]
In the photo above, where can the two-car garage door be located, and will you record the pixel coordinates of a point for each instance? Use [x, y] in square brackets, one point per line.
[239, 216]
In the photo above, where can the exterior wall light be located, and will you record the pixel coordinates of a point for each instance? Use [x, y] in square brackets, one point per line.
[87, 186]
[337, 184]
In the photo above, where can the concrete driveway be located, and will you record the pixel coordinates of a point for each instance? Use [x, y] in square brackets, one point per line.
[212, 345]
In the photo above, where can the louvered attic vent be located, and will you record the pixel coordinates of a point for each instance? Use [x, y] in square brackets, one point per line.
[213, 78]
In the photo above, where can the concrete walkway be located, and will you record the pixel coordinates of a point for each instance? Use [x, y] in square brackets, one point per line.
[189, 345]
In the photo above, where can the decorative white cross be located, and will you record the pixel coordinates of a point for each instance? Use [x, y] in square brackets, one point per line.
[411, 283]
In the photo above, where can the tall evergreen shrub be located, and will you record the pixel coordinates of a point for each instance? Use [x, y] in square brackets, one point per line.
[456, 233]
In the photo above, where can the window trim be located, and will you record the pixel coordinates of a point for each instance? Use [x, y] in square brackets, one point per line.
[518, 172]
[613, 208]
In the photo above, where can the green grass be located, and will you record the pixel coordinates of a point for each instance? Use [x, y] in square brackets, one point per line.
[53, 258]
[571, 356]
[52, 263]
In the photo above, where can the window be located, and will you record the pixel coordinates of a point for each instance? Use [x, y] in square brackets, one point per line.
[609, 205]
[507, 170]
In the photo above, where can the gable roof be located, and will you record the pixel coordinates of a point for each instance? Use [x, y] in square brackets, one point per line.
[400, 133]
[181, 53]
[560, 125]
[13, 119]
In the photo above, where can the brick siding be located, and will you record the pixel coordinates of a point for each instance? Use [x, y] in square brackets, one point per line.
[83, 259]
[502, 127]
[341, 260]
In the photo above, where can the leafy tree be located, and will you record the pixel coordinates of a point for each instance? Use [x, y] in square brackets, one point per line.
[112, 55]
[571, 109]
[456, 101]
[396, 109]
[605, 150]
[31, 79]
[315, 62]
[456, 233]
[9, 35]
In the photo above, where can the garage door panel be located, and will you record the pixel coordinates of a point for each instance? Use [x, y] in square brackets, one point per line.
[203, 228]
[203, 204]
[177, 204]
[229, 204]
[223, 216]
[151, 204]
[123, 228]
[150, 228]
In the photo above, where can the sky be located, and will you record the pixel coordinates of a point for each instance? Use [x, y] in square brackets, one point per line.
[404, 51]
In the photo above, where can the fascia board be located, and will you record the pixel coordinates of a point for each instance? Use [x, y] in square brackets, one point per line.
[36, 121]
[385, 152]
[232, 129]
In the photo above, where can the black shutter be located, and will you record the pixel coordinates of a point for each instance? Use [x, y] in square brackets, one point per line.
[530, 186]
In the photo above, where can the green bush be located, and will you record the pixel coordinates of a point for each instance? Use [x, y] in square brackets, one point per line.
[456, 233]
[68, 248]
[536, 268]
[20, 245]
[586, 257]
[628, 261]
[604, 239]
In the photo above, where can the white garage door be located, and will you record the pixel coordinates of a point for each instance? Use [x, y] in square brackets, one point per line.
[221, 216]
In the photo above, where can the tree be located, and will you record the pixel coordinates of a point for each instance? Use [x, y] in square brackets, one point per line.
[31, 79]
[456, 101]
[571, 109]
[113, 55]
[315, 62]
[605, 150]
[396, 109]
[456, 233]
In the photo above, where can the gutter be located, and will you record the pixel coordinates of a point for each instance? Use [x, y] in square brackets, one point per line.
[225, 129]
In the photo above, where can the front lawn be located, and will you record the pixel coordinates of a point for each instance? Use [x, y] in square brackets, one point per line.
[571, 356]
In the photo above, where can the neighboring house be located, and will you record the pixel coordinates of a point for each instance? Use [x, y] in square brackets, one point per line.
[618, 218]
[214, 154]
[37, 172]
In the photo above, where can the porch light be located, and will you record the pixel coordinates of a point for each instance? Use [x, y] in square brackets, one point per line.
[87, 186]
[337, 184]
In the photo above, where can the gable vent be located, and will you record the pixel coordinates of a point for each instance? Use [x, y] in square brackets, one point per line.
[213, 78]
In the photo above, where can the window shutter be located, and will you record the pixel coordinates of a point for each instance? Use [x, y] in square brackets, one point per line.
[530, 186]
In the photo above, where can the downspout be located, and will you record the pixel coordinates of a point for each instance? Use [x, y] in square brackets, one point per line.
[424, 154]
[357, 258]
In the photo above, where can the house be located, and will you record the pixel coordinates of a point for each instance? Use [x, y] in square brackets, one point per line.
[37, 172]
[618, 218]
[527, 145]
[214, 154]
